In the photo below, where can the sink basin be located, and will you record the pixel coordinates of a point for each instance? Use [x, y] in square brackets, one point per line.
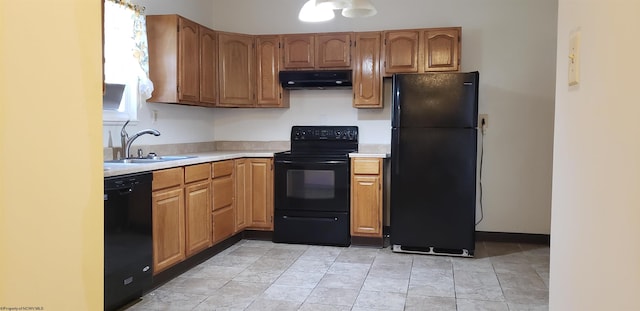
[148, 160]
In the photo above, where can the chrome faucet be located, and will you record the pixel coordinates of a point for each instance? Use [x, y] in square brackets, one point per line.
[126, 142]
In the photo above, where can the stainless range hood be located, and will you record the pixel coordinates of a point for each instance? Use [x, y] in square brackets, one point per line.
[315, 79]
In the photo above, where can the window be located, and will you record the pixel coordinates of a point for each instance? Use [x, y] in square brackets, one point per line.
[125, 53]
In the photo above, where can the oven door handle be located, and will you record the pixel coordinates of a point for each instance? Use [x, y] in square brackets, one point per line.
[327, 219]
[313, 162]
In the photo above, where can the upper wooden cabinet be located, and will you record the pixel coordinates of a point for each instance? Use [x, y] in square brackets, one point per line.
[367, 79]
[422, 50]
[191, 64]
[208, 67]
[236, 70]
[333, 50]
[299, 51]
[175, 60]
[401, 50]
[317, 51]
[442, 49]
[268, 63]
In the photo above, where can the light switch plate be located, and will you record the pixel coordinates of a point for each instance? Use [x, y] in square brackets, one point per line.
[574, 58]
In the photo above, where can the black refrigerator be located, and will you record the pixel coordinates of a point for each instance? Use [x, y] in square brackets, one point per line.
[433, 163]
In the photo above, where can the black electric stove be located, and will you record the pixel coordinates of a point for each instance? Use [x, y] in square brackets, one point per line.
[312, 186]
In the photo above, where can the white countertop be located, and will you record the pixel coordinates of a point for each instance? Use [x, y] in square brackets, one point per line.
[117, 169]
[369, 155]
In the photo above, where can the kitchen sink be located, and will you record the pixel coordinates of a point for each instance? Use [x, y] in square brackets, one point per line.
[148, 160]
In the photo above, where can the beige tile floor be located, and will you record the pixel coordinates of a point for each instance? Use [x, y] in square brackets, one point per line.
[261, 275]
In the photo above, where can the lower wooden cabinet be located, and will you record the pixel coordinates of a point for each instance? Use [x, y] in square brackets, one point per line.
[168, 215]
[260, 183]
[222, 194]
[254, 194]
[242, 194]
[366, 197]
[197, 208]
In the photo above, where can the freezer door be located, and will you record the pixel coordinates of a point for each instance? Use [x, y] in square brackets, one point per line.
[435, 100]
[433, 188]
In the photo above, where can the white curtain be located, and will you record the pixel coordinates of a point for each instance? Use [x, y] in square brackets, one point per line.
[126, 58]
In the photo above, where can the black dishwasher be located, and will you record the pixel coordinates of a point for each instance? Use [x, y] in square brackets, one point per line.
[127, 238]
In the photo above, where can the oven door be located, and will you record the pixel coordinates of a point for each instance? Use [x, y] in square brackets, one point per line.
[312, 184]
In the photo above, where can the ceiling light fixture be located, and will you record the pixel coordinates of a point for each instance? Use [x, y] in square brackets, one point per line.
[360, 8]
[313, 13]
[322, 10]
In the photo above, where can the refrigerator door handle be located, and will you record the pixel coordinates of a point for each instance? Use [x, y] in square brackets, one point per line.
[395, 151]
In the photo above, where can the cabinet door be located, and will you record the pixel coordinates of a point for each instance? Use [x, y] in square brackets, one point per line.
[208, 67]
[367, 87]
[242, 194]
[198, 216]
[333, 50]
[366, 197]
[299, 51]
[442, 49]
[269, 91]
[401, 51]
[188, 59]
[168, 228]
[261, 179]
[235, 72]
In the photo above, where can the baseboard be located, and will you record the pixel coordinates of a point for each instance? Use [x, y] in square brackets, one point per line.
[367, 241]
[258, 235]
[511, 237]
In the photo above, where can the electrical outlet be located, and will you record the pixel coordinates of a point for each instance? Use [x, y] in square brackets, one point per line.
[483, 122]
[574, 59]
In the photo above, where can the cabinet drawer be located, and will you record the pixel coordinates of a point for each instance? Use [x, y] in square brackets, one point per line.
[223, 224]
[222, 192]
[366, 166]
[196, 172]
[168, 178]
[222, 168]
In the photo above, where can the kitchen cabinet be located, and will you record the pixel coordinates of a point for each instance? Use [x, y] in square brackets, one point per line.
[223, 212]
[333, 50]
[441, 49]
[317, 51]
[242, 194]
[260, 198]
[299, 51]
[422, 50]
[174, 59]
[168, 214]
[366, 197]
[367, 78]
[401, 49]
[236, 62]
[268, 63]
[197, 208]
[208, 67]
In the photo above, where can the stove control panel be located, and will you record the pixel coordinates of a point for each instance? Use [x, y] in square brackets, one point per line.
[331, 133]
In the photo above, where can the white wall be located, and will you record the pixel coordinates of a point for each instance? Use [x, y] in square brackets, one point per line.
[595, 240]
[511, 43]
